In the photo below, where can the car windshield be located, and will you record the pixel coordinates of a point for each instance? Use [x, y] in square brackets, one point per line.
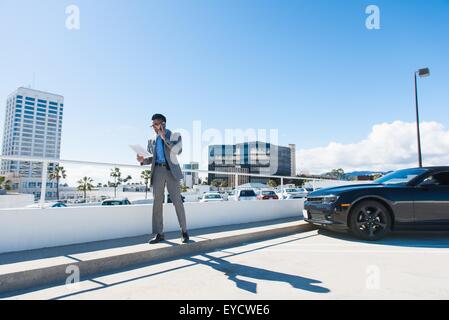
[268, 193]
[400, 176]
[247, 193]
[112, 203]
[213, 196]
[291, 190]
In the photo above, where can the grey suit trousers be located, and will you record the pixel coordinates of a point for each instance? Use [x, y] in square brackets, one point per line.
[162, 177]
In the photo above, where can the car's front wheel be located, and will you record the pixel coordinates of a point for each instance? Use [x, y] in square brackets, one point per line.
[370, 220]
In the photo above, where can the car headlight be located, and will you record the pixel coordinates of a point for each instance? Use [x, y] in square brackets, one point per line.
[330, 198]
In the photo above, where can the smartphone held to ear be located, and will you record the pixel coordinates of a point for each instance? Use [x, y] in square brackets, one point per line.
[162, 128]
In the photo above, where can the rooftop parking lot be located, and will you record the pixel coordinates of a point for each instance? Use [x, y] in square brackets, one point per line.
[311, 265]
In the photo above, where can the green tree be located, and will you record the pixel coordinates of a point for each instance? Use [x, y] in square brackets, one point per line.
[146, 176]
[224, 184]
[336, 174]
[5, 184]
[299, 182]
[85, 184]
[184, 188]
[116, 174]
[215, 183]
[272, 184]
[56, 175]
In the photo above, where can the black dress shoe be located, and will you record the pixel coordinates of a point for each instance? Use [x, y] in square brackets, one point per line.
[157, 239]
[185, 237]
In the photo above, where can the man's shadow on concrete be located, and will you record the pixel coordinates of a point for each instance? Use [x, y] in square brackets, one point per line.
[231, 270]
[235, 270]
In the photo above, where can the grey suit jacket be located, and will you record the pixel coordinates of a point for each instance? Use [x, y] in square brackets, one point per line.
[172, 148]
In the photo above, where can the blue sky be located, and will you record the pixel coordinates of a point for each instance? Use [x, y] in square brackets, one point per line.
[308, 68]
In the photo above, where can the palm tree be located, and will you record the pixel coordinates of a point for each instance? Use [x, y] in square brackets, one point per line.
[146, 176]
[118, 180]
[5, 184]
[85, 184]
[57, 174]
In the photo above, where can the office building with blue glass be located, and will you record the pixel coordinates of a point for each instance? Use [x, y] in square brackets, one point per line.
[257, 158]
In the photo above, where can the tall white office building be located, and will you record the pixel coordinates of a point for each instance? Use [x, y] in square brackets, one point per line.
[191, 178]
[33, 125]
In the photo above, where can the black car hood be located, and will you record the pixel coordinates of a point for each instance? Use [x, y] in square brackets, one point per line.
[340, 189]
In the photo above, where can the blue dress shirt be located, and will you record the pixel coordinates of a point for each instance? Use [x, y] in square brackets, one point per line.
[160, 154]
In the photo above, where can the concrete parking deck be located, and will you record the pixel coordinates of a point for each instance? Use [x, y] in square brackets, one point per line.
[314, 264]
[28, 269]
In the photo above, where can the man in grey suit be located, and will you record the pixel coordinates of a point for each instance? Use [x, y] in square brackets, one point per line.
[165, 171]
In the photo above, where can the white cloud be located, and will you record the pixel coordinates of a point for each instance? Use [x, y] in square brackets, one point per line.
[389, 146]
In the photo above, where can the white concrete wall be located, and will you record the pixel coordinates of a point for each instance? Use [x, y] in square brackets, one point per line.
[16, 200]
[25, 229]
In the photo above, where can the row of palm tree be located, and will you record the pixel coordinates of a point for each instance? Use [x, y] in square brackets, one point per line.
[116, 174]
[87, 183]
[84, 185]
[146, 176]
[57, 174]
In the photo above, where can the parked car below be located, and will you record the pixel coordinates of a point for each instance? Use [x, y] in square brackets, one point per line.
[116, 202]
[293, 193]
[267, 195]
[48, 205]
[142, 201]
[231, 195]
[169, 199]
[59, 205]
[211, 197]
[244, 195]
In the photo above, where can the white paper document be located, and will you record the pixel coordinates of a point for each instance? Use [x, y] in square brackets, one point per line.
[140, 150]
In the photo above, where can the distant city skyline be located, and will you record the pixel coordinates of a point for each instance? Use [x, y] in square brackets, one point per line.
[311, 70]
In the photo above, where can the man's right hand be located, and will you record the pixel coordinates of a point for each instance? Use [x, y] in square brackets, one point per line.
[140, 158]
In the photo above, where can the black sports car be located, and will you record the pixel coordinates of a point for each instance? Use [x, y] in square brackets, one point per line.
[415, 198]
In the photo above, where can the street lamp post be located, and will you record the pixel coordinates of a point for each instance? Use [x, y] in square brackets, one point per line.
[425, 72]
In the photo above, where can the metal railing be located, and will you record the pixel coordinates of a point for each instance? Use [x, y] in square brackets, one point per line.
[46, 161]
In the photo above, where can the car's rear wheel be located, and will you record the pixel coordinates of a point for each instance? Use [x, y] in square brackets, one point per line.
[370, 220]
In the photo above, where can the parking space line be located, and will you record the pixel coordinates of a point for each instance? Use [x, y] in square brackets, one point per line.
[358, 251]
